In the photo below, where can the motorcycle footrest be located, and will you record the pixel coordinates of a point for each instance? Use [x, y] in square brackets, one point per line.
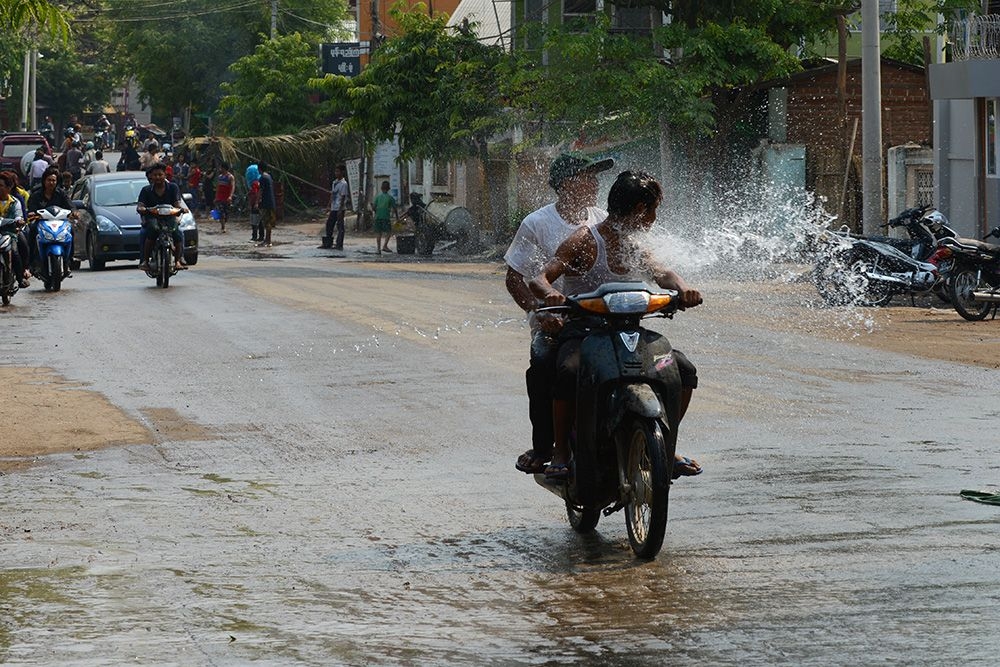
[608, 511]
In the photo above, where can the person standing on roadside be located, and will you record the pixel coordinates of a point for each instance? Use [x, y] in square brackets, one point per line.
[340, 197]
[194, 183]
[267, 205]
[385, 207]
[224, 186]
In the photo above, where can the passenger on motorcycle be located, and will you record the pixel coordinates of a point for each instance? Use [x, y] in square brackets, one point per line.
[593, 256]
[10, 207]
[158, 193]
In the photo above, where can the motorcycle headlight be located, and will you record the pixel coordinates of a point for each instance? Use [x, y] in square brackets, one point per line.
[187, 221]
[625, 303]
[104, 224]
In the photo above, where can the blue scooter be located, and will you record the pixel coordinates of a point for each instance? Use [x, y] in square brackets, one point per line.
[55, 246]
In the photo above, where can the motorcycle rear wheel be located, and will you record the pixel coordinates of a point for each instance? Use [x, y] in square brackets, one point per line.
[648, 477]
[829, 278]
[582, 519]
[960, 288]
[6, 278]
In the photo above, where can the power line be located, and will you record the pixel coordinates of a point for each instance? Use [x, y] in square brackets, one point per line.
[187, 14]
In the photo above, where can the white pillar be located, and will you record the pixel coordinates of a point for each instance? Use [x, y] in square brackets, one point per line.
[871, 116]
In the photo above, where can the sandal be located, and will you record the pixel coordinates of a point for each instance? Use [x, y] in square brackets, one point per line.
[530, 464]
[686, 467]
[557, 472]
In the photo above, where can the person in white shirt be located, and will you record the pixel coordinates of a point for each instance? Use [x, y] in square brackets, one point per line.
[99, 165]
[340, 199]
[574, 178]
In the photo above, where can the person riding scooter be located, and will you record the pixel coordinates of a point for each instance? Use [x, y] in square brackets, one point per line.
[593, 256]
[158, 193]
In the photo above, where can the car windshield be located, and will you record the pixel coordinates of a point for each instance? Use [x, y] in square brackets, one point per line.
[118, 193]
[19, 149]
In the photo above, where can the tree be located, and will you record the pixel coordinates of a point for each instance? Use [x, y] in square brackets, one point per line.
[268, 91]
[180, 56]
[34, 15]
[437, 88]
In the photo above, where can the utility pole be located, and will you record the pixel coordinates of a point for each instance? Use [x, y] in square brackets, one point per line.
[871, 116]
[274, 18]
[25, 91]
[34, 87]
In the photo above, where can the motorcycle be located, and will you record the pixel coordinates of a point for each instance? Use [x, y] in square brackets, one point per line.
[55, 246]
[161, 264]
[974, 286]
[870, 271]
[9, 228]
[628, 408]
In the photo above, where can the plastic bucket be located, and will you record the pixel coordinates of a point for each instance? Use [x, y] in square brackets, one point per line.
[215, 214]
[406, 245]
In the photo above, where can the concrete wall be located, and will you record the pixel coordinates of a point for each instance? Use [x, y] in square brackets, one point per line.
[955, 164]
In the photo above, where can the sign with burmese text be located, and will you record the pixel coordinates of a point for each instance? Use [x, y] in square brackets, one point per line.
[343, 58]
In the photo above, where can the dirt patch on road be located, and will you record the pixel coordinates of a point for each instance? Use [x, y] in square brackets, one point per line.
[44, 414]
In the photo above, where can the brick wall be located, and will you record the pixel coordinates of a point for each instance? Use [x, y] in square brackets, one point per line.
[812, 107]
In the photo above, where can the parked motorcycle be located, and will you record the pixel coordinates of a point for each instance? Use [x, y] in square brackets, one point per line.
[55, 246]
[974, 286]
[9, 228]
[161, 264]
[628, 407]
[870, 271]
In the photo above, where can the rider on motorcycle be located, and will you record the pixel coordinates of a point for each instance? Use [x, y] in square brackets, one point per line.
[10, 207]
[46, 195]
[593, 256]
[159, 192]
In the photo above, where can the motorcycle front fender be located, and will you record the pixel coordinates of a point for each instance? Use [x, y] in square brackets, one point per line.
[641, 400]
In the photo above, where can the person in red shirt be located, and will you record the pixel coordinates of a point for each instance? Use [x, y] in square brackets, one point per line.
[194, 183]
[224, 186]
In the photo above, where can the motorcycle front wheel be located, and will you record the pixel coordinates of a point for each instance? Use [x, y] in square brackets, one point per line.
[163, 280]
[829, 277]
[960, 288]
[647, 474]
[6, 278]
[55, 272]
[868, 292]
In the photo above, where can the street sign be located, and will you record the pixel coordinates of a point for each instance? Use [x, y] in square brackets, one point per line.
[343, 58]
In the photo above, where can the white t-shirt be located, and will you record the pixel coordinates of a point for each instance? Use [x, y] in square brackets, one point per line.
[340, 194]
[540, 235]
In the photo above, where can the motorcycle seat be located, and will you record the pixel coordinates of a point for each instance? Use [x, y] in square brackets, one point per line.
[983, 246]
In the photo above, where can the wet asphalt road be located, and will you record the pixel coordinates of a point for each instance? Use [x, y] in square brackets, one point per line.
[336, 486]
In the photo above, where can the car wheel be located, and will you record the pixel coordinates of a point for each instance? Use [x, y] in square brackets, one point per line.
[95, 264]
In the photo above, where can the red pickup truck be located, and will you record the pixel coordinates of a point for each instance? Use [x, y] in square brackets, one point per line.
[14, 146]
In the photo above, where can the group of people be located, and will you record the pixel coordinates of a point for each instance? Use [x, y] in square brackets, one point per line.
[570, 247]
[18, 203]
[384, 206]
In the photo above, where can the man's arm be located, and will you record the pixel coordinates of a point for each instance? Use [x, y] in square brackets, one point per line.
[670, 279]
[520, 291]
[576, 252]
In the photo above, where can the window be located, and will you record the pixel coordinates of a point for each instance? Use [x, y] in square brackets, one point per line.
[992, 144]
[418, 172]
[575, 11]
[440, 174]
[634, 20]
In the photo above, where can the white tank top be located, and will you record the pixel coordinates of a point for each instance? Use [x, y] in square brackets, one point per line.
[599, 274]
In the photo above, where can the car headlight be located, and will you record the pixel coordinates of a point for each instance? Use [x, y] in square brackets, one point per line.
[187, 221]
[104, 224]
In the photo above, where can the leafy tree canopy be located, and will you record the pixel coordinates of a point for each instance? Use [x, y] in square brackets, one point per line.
[268, 92]
[438, 87]
[180, 52]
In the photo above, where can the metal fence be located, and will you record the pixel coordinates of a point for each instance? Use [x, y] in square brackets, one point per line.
[976, 38]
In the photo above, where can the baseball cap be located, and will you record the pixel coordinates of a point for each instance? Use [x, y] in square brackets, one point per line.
[568, 165]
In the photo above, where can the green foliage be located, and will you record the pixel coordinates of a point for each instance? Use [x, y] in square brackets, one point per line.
[180, 52]
[42, 16]
[615, 85]
[439, 88]
[915, 19]
[268, 91]
[63, 69]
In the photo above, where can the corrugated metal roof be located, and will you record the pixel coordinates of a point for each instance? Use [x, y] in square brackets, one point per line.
[491, 16]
